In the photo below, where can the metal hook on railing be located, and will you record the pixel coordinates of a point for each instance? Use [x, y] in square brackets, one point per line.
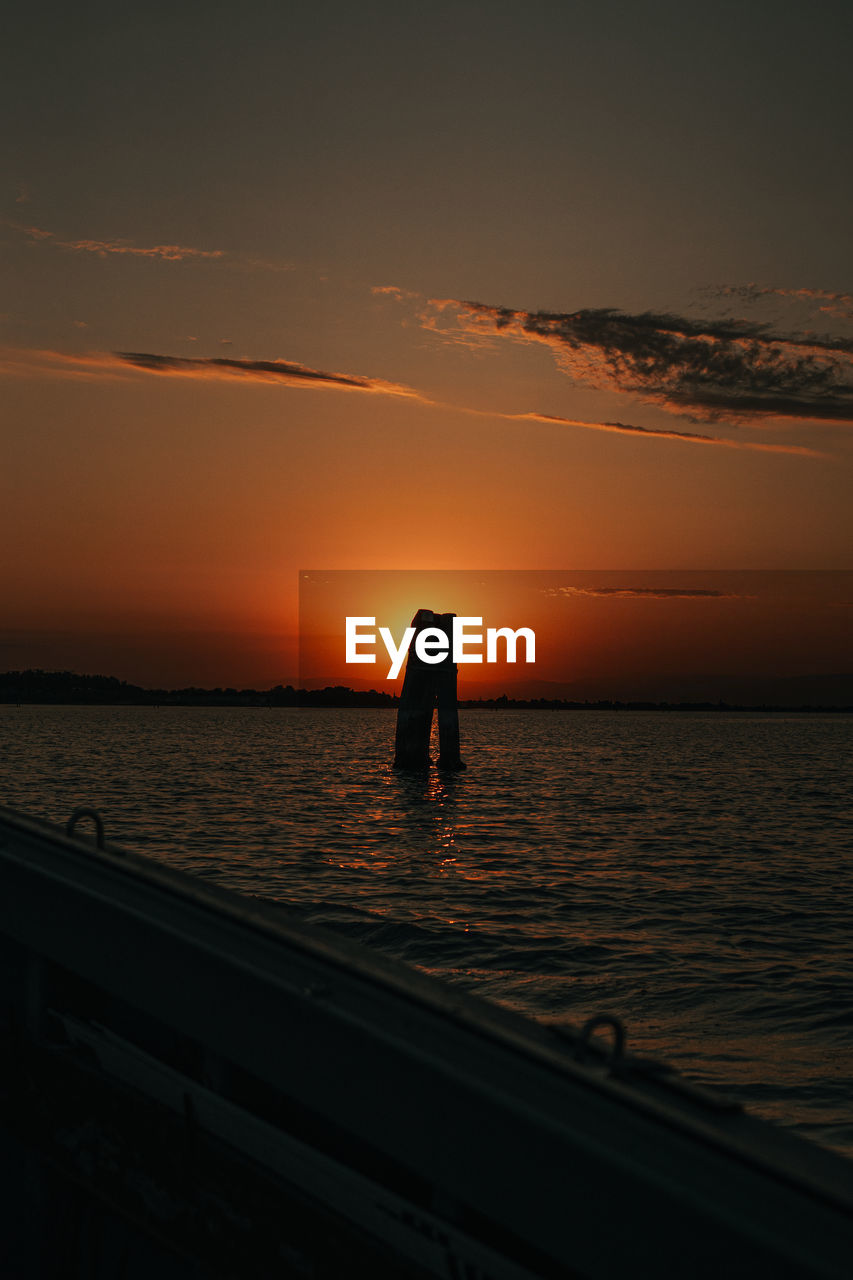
[87, 813]
[615, 1025]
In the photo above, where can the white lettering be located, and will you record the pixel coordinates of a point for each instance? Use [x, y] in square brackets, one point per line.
[511, 638]
[460, 639]
[431, 645]
[354, 639]
[396, 655]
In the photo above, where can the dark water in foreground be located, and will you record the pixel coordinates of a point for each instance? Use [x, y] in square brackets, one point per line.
[691, 873]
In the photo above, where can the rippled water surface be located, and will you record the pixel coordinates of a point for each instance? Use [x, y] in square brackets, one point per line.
[691, 873]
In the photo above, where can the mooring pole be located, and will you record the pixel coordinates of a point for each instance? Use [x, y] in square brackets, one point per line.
[424, 685]
[417, 699]
[447, 701]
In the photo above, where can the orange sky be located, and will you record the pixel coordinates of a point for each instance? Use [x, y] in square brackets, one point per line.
[434, 324]
[629, 635]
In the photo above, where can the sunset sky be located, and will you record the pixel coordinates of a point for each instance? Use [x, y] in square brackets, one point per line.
[779, 637]
[383, 286]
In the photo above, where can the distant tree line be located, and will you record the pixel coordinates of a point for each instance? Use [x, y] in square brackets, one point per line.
[69, 688]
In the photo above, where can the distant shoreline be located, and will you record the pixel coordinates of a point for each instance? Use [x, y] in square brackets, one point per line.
[66, 688]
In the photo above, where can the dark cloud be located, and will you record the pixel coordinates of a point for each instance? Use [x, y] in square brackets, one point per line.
[717, 368]
[286, 371]
[279, 369]
[97, 364]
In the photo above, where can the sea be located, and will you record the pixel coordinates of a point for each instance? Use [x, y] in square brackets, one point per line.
[689, 872]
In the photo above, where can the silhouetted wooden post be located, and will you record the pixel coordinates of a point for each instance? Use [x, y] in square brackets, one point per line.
[414, 714]
[424, 684]
[447, 701]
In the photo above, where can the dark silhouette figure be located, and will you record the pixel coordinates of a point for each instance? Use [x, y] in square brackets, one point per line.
[425, 687]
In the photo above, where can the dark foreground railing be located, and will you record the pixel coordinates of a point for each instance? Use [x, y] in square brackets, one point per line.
[192, 1083]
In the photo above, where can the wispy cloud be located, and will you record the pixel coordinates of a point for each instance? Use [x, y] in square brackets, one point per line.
[838, 305]
[92, 364]
[32, 362]
[709, 369]
[116, 363]
[646, 593]
[661, 433]
[103, 248]
[156, 252]
[282, 371]
[392, 291]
